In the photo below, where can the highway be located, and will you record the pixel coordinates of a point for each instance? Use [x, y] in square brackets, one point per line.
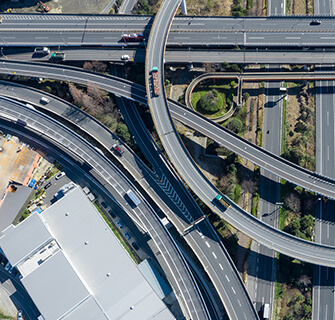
[78, 30]
[79, 148]
[254, 154]
[324, 278]
[182, 55]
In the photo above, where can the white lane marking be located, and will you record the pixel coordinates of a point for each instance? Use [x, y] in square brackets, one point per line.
[214, 255]
[327, 118]
[328, 152]
[296, 38]
[233, 290]
[256, 38]
[327, 38]
[220, 266]
[239, 302]
[327, 230]
[207, 244]
[41, 37]
[182, 37]
[227, 278]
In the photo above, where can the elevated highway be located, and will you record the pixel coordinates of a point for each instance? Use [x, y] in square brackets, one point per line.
[186, 31]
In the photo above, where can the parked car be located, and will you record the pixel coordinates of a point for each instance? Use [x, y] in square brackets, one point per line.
[60, 175]
[135, 245]
[119, 224]
[104, 204]
[7, 266]
[47, 185]
[111, 213]
[127, 235]
[11, 269]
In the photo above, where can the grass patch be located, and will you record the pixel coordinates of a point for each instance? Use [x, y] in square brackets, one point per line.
[4, 317]
[115, 231]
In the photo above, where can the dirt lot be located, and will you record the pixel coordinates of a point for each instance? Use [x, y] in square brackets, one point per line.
[56, 6]
[205, 7]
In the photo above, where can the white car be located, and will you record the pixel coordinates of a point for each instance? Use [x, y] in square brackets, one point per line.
[20, 315]
[125, 57]
[59, 175]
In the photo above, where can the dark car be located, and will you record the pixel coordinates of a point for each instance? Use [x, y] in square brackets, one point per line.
[315, 22]
[47, 185]
[135, 245]
[112, 213]
[104, 204]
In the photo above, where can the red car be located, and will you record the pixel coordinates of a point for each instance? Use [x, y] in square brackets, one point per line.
[132, 37]
[117, 149]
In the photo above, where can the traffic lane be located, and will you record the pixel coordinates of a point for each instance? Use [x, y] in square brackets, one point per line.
[180, 55]
[51, 21]
[327, 152]
[276, 7]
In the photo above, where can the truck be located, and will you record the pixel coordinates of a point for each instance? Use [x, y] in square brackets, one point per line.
[57, 56]
[266, 311]
[155, 80]
[221, 201]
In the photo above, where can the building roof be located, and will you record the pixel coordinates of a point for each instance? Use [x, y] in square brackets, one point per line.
[78, 269]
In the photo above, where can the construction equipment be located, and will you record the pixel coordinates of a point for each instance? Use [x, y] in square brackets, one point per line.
[43, 6]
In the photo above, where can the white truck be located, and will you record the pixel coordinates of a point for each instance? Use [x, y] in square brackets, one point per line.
[266, 311]
[134, 200]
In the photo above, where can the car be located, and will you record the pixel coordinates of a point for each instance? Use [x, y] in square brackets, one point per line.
[11, 269]
[132, 37]
[127, 235]
[111, 213]
[7, 266]
[20, 315]
[4, 261]
[104, 204]
[60, 175]
[47, 185]
[125, 57]
[268, 131]
[119, 224]
[117, 149]
[135, 245]
[315, 22]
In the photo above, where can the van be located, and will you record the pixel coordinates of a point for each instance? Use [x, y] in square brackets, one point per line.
[42, 50]
[44, 100]
[132, 199]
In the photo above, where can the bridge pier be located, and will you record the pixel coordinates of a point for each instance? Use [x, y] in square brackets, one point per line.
[183, 7]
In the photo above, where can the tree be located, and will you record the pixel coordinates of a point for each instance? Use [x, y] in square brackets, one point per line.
[235, 125]
[246, 96]
[249, 185]
[211, 102]
[95, 66]
[123, 132]
[293, 202]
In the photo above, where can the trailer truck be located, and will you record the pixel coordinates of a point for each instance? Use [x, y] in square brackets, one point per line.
[155, 80]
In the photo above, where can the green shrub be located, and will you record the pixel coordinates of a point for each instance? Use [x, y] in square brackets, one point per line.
[123, 132]
[211, 102]
[235, 125]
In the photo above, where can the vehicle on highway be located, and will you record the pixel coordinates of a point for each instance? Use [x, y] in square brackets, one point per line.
[127, 235]
[117, 149]
[266, 311]
[111, 213]
[60, 175]
[155, 80]
[41, 51]
[219, 199]
[7, 266]
[125, 57]
[119, 224]
[47, 185]
[20, 315]
[132, 37]
[131, 198]
[315, 22]
[45, 100]
[58, 56]
[135, 245]
[268, 131]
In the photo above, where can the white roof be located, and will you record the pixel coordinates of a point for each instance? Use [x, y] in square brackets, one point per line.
[87, 274]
